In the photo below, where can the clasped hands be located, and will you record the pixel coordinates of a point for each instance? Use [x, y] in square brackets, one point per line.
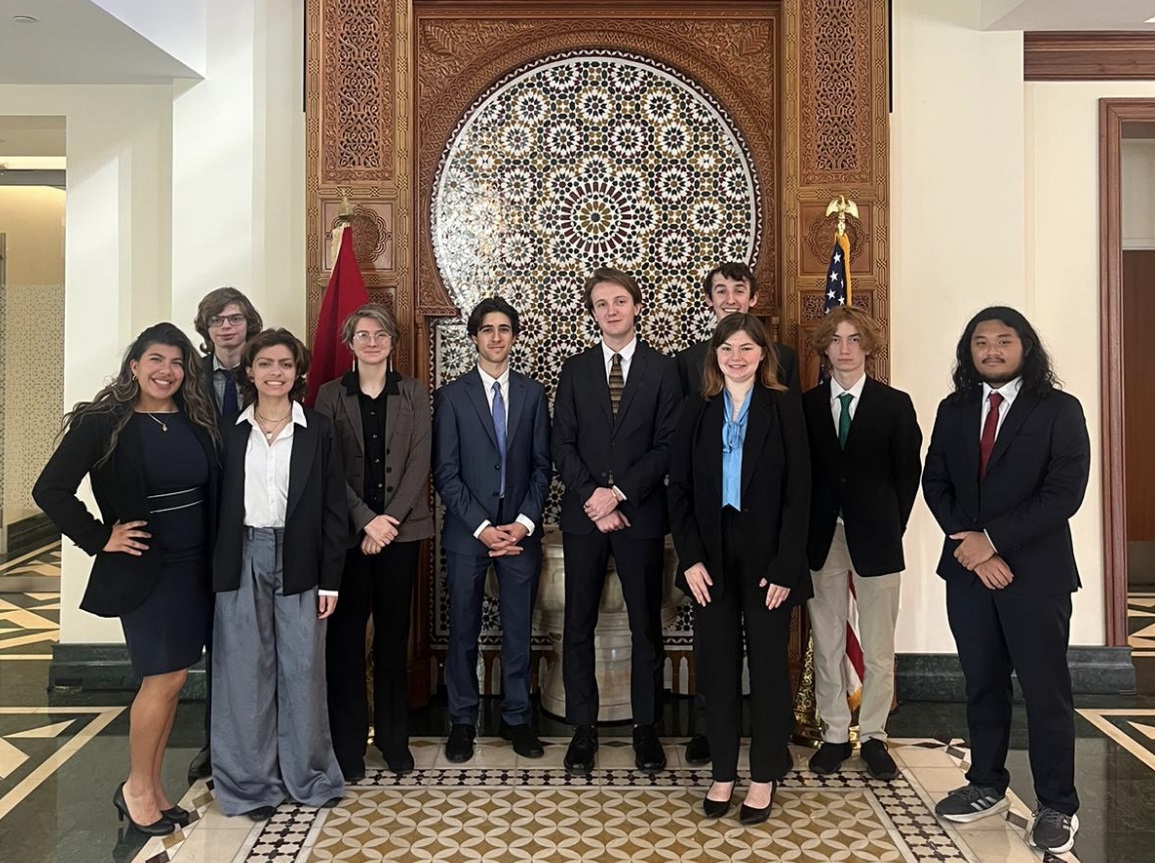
[502, 539]
[976, 553]
[381, 531]
[700, 583]
[602, 508]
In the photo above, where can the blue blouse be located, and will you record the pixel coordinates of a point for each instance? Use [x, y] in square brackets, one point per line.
[733, 437]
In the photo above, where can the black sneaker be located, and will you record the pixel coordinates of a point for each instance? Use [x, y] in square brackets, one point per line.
[829, 757]
[698, 750]
[970, 803]
[879, 764]
[1053, 831]
[459, 746]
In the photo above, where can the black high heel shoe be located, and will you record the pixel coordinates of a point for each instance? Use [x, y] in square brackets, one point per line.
[178, 815]
[750, 815]
[716, 808]
[163, 827]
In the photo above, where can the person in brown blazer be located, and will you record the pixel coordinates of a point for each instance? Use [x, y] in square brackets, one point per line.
[384, 428]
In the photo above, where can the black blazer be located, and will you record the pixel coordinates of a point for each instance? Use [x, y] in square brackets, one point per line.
[692, 361]
[209, 378]
[1035, 482]
[407, 447]
[118, 583]
[589, 441]
[775, 491]
[467, 463]
[315, 516]
[873, 481]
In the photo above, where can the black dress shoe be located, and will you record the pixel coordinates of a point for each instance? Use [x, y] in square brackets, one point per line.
[716, 808]
[178, 815]
[331, 803]
[879, 764]
[829, 757]
[261, 813]
[749, 815]
[579, 758]
[459, 746]
[160, 827]
[698, 750]
[400, 762]
[201, 767]
[353, 774]
[525, 742]
[649, 756]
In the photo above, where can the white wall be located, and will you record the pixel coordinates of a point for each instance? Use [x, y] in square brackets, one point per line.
[1138, 180]
[172, 192]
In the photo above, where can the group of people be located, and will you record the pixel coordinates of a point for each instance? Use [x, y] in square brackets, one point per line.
[773, 497]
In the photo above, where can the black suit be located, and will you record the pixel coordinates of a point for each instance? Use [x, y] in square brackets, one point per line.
[766, 540]
[118, 583]
[1034, 482]
[873, 482]
[692, 361]
[593, 447]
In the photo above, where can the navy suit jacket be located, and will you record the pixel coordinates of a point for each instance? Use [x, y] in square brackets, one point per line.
[467, 464]
[1035, 481]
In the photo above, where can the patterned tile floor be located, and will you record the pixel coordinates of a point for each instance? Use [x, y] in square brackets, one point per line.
[1141, 624]
[36, 571]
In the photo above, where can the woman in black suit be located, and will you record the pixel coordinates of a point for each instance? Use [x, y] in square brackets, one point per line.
[385, 431]
[739, 503]
[276, 570]
[148, 441]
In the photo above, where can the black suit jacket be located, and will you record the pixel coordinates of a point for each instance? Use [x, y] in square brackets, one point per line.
[692, 361]
[119, 583]
[467, 463]
[589, 442]
[209, 377]
[1035, 481]
[316, 516]
[873, 481]
[775, 491]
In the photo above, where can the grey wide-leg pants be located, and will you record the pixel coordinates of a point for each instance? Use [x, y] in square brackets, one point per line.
[270, 720]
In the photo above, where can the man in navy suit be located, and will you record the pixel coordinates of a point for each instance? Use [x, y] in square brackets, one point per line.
[492, 469]
[865, 462]
[615, 416]
[1007, 468]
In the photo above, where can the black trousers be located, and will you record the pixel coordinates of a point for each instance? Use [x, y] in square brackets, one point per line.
[738, 606]
[997, 633]
[382, 584]
[639, 566]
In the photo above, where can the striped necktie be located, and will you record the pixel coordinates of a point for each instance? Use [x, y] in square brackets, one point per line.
[617, 383]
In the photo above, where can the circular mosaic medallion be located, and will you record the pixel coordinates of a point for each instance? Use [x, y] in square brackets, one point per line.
[585, 160]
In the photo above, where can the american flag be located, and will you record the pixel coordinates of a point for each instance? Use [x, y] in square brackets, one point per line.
[838, 275]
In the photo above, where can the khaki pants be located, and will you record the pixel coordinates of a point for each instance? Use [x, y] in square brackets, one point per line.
[878, 601]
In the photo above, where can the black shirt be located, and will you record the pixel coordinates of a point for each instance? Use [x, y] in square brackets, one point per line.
[373, 435]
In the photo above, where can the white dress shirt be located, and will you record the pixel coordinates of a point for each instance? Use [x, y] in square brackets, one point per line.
[267, 472]
[836, 406]
[627, 354]
[487, 382]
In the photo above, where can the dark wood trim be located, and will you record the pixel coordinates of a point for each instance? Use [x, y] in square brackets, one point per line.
[1089, 56]
[1113, 113]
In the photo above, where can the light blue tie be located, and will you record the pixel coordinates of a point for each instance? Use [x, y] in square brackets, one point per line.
[499, 430]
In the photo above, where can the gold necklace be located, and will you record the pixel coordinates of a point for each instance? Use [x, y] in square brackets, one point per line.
[276, 423]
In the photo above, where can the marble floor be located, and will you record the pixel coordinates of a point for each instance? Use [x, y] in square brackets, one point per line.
[61, 755]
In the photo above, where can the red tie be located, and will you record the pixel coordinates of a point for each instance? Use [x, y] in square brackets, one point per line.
[987, 441]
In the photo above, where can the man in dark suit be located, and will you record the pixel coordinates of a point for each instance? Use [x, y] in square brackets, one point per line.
[225, 320]
[615, 415]
[729, 288]
[1007, 468]
[865, 448]
[492, 469]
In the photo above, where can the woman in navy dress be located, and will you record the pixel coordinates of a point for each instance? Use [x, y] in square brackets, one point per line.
[149, 442]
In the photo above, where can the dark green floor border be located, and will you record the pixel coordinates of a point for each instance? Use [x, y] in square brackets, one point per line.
[921, 676]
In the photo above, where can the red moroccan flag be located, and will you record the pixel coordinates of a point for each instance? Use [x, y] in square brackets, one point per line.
[346, 293]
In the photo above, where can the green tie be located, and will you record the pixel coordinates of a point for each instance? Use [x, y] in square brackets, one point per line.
[844, 419]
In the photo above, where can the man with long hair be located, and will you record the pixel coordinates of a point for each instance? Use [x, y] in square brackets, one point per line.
[1007, 468]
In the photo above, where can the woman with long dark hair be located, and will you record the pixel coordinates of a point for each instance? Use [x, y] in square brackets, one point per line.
[739, 506]
[148, 441]
[276, 570]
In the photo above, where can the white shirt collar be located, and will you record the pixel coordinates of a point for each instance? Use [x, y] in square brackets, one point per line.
[298, 415]
[627, 352]
[836, 388]
[1008, 390]
[487, 380]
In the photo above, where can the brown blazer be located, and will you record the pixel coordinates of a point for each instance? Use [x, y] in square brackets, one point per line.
[408, 447]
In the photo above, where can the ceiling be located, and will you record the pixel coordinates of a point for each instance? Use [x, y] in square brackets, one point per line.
[1067, 14]
[78, 42]
[31, 136]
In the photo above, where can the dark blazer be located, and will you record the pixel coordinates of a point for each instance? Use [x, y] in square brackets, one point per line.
[208, 377]
[408, 444]
[1035, 482]
[873, 481]
[589, 442]
[692, 361]
[775, 491]
[467, 464]
[316, 518]
[119, 583]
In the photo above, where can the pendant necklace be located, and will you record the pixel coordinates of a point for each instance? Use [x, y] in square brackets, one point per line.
[163, 426]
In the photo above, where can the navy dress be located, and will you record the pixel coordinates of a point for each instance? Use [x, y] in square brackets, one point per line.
[168, 632]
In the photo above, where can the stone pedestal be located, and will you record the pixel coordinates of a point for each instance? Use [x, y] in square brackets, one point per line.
[612, 637]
